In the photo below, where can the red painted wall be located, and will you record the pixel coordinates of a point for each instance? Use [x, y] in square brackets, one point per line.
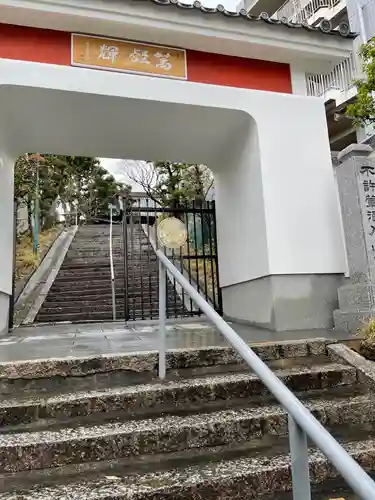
[53, 47]
[33, 44]
[232, 71]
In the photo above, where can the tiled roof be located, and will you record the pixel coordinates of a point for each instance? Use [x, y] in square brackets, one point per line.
[324, 27]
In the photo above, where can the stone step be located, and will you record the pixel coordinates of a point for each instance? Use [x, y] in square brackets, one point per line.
[97, 280]
[135, 273]
[92, 425]
[79, 306]
[76, 277]
[101, 287]
[94, 316]
[105, 315]
[73, 264]
[153, 398]
[145, 291]
[94, 254]
[69, 300]
[72, 444]
[89, 294]
[124, 369]
[253, 476]
[83, 285]
[331, 489]
[105, 304]
[78, 317]
[72, 273]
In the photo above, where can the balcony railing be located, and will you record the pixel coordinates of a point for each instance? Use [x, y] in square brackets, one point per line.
[341, 79]
[301, 11]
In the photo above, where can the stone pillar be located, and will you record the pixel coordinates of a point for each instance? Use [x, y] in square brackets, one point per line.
[6, 237]
[356, 184]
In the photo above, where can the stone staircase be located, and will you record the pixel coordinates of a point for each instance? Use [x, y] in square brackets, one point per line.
[107, 428]
[82, 289]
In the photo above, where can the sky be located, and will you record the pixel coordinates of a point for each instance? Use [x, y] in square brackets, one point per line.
[118, 169]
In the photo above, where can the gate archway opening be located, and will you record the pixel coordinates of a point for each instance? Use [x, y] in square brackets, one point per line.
[240, 134]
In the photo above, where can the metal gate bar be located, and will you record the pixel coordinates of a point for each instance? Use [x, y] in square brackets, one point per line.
[197, 260]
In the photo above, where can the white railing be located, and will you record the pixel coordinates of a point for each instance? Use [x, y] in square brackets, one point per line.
[341, 78]
[301, 422]
[302, 11]
[113, 288]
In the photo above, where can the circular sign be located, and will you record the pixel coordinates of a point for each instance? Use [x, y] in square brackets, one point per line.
[172, 232]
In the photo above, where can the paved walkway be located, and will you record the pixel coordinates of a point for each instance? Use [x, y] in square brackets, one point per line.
[85, 340]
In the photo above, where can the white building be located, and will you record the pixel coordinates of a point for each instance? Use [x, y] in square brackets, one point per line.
[335, 87]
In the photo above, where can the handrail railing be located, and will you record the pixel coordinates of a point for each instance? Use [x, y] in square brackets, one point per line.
[341, 77]
[111, 264]
[301, 422]
[301, 11]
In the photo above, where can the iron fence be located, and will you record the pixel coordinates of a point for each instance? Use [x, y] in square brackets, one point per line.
[197, 260]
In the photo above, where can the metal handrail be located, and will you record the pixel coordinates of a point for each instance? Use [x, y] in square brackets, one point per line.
[111, 264]
[301, 422]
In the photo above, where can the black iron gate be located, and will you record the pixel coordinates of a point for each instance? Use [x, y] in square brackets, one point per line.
[197, 260]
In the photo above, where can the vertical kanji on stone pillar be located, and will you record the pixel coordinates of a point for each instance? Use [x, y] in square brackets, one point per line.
[356, 184]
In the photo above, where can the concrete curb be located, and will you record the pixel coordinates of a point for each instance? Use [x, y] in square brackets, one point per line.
[22, 284]
[49, 268]
[365, 369]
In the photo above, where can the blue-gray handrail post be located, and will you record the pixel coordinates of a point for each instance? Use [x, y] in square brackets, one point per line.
[300, 461]
[356, 477]
[162, 319]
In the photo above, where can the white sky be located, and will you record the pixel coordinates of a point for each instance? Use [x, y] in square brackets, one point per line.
[117, 169]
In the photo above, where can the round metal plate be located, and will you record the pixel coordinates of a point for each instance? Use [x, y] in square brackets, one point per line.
[172, 232]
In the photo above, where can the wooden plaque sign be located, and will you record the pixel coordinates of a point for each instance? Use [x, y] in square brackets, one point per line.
[130, 57]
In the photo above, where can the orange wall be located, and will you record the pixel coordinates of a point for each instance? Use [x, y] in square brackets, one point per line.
[53, 47]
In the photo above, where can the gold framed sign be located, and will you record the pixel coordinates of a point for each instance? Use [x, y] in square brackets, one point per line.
[130, 57]
[172, 233]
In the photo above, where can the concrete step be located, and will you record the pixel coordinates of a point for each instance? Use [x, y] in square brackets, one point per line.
[64, 286]
[104, 303]
[94, 254]
[78, 317]
[89, 294]
[107, 428]
[96, 297]
[121, 370]
[70, 444]
[250, 476]
[105, 287]
[196, 394]
[107, 315]
[57, 300]
[79, 263]
[135, 273]
[96, 279]
[80, 305]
